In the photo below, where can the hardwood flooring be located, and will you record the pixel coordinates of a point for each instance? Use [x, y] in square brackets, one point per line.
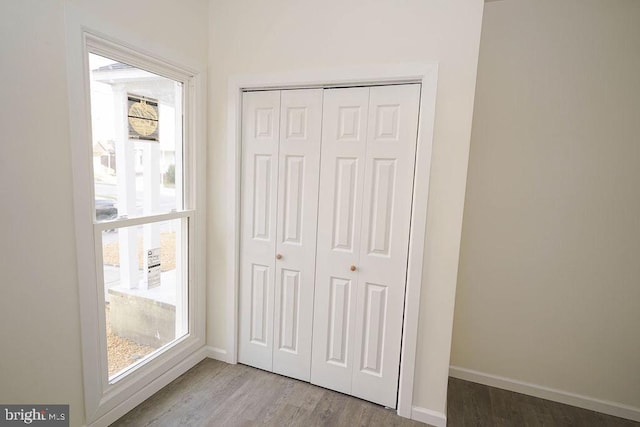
[471, 404]
[217, 394]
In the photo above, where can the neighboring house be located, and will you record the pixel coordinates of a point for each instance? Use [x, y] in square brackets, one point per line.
[104, 157]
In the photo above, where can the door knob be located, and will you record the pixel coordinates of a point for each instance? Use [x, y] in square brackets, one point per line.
[353, 268]
[279, 256]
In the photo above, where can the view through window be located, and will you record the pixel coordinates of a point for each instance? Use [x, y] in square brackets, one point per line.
[140, 220]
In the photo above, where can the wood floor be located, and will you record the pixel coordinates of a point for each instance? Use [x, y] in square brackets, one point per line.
[217, 394]
[471, 404]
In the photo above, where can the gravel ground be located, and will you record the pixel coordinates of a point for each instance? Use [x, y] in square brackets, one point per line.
[111, 253]
[122, 352]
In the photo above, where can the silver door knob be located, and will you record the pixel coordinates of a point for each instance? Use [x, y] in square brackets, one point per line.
[279, 256]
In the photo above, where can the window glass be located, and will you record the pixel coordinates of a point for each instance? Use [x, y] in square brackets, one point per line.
[145, 300]
[137, 140]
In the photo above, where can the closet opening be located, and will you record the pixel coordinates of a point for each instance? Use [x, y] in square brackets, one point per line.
[276, 211]
[327, 187]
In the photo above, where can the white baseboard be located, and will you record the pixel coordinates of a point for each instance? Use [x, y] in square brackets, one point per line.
[151, 388]
[573, 399]
[424, 415]
[217, 354]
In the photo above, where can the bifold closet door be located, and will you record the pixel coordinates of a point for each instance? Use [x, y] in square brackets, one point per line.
[260, 141]
[344, 138]
[281, 159]
[298, 175]
[368, 157]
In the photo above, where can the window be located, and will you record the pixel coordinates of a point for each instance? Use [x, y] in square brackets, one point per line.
[137, 165]
[140, 213]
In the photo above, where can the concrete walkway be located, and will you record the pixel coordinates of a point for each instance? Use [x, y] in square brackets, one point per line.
[166, 292]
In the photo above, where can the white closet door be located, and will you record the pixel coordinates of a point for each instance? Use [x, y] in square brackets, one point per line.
[298, 175]
[368, 154]
[260, 136]
[344, 132]
[323, 268]
[386, 216]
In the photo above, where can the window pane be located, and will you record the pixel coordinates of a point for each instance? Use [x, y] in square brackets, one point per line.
[137, 140]
[145, 282]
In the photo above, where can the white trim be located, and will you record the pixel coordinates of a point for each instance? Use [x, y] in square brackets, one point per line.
[151, 388]
[217, 354]
[102, 399]
[426, 74]
[427, 416]
[105, 45]
[417, 239]
[150, 219]
[535, 390]
[234, 162]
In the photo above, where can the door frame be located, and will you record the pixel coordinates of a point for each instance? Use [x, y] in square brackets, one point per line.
[424, 73]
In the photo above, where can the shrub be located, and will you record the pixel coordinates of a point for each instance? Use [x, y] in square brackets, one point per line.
[170, 175]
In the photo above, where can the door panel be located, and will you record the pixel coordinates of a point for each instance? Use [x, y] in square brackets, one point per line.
[344, 203]
[386, 215]
[298, 177]
[375, 309]
[344, 132]
[339, 306]
[383, 188]
[259, 304]
[262, 197]
[289, 307]
[293, 186]
[260, 135]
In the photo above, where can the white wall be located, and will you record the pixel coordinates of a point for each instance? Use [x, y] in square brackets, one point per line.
[250, 37]
[40, 356]
[39, 325]
[549, 281]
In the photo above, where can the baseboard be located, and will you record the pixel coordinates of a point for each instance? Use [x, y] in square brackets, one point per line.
[427, 416]
[217, 354]
[573, 399]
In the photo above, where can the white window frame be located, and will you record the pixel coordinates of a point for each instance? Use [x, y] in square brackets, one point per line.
[105, 402]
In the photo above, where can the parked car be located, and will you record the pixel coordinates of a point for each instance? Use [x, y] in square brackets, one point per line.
[106, 210]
